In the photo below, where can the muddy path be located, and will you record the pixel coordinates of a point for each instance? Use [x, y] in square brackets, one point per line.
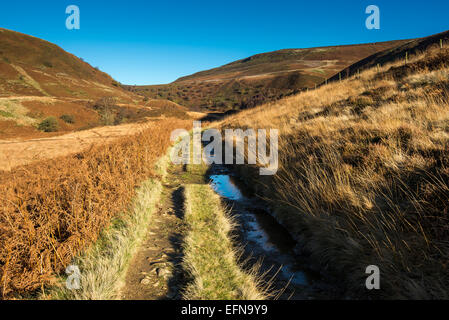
[155, 272]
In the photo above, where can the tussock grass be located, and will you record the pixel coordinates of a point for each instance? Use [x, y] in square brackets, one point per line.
[104, 266]
[210, 257]
[364, 175]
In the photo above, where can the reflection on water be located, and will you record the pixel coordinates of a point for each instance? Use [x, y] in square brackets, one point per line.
[275, 241]
[225, 187]
[264, 234]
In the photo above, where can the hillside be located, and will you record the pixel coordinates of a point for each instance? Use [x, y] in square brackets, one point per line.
[39, 80]
[363, 174]
[33, 67]
[263, 77]
[406, 48]
[360, 180]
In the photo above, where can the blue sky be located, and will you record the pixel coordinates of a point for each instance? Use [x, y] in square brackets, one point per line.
[152, 42]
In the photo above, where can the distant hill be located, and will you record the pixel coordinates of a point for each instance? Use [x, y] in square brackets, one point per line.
[38, 80]
[263, 77]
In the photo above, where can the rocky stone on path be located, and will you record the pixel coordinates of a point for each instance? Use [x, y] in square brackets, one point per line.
[164, 272]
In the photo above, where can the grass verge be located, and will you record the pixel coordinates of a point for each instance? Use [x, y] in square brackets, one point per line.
[104, 266]
[210, 257]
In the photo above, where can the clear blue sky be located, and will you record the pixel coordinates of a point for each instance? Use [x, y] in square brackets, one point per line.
[152, 42]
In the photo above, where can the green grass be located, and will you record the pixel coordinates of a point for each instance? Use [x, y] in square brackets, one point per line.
[6, 114]
[320, 71]
[210, 256]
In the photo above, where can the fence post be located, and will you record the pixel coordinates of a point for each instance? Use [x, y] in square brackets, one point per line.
[406, 57]
[441, 43]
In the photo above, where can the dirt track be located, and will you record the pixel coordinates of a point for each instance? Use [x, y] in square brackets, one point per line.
[15, 153]
[155, 272]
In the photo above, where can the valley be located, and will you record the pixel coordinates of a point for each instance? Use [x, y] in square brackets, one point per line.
[261, 78]
[88, 179]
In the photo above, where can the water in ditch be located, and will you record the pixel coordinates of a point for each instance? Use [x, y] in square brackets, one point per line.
[263, 238]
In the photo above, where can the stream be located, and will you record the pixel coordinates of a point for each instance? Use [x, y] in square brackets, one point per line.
[264, 240]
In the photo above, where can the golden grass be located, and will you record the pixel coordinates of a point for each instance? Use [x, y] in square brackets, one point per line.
[104, 266]
[19, 152]
[53, 210]
[210, 257]
[364, 174]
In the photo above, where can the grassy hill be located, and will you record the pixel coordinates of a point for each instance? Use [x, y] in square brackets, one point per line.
[363, 173]
[400, 52]
[263, 77]
[39, 80]
[34, 67]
